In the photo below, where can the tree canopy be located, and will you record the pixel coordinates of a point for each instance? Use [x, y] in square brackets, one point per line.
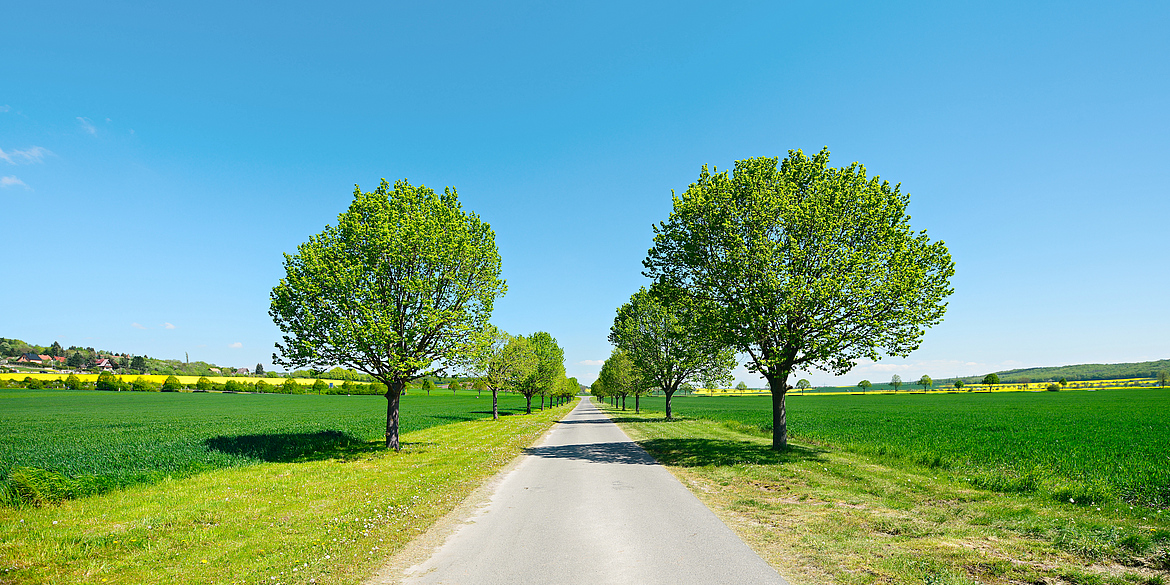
[619, 377]
[665, 343]
[503, 363]
[403, 285]
[548, 370]
[801, 265]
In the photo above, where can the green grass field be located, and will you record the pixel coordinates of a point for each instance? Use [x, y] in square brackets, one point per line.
[230, 488]
[61, 444]
[1087, 446]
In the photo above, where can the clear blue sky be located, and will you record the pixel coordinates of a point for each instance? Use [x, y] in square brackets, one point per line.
[159, 160]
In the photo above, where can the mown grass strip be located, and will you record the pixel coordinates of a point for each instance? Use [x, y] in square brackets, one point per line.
[316, 521]
[825, 515]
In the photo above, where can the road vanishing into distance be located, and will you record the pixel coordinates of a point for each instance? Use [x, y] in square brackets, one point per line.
[588, 505]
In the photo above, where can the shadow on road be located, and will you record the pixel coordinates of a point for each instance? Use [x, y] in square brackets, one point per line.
[290, 447]
[584, 421]
[700, 452]
[623, 452]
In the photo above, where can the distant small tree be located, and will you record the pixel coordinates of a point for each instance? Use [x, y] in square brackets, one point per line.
[479, 386]
[141, 384]
[619, 377]
[107, 381]
[320, 386]
[864, 385]
[896, 381]
[958, 384]
[138, 363]
[172, 384]
[259, 369]
[991, 380]
[925, 382]
[73, 382]
[454, 386]
[741, 386]
[290, 386]
[262, 386]
[1163, 378]
[56, 350]
[33, 383]
[428, 385]
[548, 370]
[803, 385]
[1054, 387]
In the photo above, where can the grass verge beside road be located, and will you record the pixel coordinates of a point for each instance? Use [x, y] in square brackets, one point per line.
[331, 520]
[825, 515]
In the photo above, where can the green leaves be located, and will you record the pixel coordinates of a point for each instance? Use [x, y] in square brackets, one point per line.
[665, 341]
[402, 286]
[802, 264]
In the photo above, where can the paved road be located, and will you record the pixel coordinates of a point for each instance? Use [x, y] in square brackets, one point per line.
[590, 506]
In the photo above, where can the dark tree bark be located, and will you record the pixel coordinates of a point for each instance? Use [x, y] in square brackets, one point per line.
[495, 406]
[637, 402]
[669, 395]
[623, 401]
[779, 389]
[529, 397]
[393, 393]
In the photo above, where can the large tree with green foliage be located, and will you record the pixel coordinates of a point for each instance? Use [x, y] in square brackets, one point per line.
[801, 265]
[401, 287]
[666, 343]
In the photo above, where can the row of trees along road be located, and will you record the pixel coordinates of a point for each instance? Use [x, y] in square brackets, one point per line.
[402, 288]
[795, 264]
[532, 365]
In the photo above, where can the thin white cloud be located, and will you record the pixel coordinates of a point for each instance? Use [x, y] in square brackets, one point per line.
[35, 154]
[5, 108]
[236, 345]
[167, 326]
[87, 125]
[591, 362]
[889, 367]
[138, 326]
[10, 181]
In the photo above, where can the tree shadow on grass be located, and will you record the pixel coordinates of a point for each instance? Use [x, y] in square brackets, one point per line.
[721, 452]
[295, 447]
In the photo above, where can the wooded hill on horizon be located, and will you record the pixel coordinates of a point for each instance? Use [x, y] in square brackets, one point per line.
[1083, 372]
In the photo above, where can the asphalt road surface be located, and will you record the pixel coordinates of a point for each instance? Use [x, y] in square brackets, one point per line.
[588, 505]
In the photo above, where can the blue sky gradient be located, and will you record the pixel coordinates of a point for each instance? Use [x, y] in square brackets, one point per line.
[159, 160]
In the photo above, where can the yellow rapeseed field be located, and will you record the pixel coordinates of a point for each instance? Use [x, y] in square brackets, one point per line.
[155, 378]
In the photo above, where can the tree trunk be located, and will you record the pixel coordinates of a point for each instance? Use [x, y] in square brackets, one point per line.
[393, 393]
[779, 388]
[623, 401]
[669, 395]
[495, 406]
[542, 401]
[637, 404]
[529, 397]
